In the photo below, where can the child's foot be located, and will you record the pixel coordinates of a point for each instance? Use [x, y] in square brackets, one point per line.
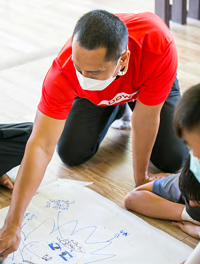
[6, 181]
[124, 121]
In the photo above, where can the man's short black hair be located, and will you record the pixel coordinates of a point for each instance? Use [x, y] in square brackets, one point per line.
[188, 184]
[187, 112]
[101, 29]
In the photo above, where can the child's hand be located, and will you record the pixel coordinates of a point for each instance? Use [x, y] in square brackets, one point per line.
[189, 228]
[196, 223]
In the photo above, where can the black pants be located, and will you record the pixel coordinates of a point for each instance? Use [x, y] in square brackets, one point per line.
[13, 139]
[85, 128]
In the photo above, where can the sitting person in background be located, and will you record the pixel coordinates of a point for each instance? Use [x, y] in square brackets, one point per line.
[176, 197]
[13, 139]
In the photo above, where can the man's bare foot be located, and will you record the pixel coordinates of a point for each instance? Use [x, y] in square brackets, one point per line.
[6, 181]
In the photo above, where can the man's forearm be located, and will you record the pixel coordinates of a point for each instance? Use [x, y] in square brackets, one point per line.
[143, 137]
[29, 177]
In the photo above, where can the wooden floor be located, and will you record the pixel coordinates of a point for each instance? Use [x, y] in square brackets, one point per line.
[31, 34]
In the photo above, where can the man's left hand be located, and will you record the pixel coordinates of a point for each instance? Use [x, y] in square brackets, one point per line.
[153, 177]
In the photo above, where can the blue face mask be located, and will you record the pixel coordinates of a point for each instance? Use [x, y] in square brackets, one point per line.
[195, 165]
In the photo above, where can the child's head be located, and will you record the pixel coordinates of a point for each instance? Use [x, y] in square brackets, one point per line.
[189, 185]
[187, 119]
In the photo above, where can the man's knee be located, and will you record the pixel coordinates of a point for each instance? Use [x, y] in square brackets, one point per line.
[73, 157]
[170, 162]
[175, 164]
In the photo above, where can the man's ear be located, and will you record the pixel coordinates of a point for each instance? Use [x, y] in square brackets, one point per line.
[124, 62]
[125, 58]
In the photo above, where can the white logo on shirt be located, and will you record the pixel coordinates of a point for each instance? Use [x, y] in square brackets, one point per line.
[118, 98]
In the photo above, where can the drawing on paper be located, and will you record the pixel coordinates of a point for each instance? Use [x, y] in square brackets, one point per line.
[62, 243]
[68, 224]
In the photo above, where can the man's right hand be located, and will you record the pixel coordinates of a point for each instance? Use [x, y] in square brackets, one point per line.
[38, 153]
[10, 236]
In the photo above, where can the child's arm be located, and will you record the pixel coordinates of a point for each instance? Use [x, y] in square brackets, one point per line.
[142, 200]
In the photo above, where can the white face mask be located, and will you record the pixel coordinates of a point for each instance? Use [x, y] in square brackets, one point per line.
[93, 84]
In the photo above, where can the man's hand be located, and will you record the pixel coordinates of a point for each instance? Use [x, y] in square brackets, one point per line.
[152, 177]
[38, 153]
[10, 237]
[192, 229]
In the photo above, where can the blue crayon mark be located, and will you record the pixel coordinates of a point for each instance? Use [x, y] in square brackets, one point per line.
[58, 204]
[54, 246]
[124, 233]
[26, 214]
[21, 254]
[69, 254]
[63, 257]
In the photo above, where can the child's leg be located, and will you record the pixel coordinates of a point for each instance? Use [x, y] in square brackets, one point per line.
[142, 200]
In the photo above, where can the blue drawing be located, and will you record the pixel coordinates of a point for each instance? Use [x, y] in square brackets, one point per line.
[29, 217]
[58, 204]
[124, 233]
[62, 241]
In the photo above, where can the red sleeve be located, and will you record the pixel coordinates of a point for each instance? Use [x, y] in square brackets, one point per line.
[156, 88]
[57, 94]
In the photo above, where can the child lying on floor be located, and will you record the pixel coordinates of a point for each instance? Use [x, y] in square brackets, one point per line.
[176, 197]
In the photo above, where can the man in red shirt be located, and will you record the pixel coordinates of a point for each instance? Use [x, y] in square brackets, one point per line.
[110, 60]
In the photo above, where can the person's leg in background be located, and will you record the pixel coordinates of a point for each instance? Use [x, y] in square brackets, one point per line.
[13, 139]
[124, 121]
[169, 153]
[85, 128]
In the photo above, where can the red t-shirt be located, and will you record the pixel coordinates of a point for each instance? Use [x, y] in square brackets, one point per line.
[150, 76]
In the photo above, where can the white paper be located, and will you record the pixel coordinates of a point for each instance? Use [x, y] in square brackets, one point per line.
[194, 258]
[66, 223]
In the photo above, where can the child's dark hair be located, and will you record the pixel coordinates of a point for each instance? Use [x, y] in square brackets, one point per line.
[187, 111]
[188, 184]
